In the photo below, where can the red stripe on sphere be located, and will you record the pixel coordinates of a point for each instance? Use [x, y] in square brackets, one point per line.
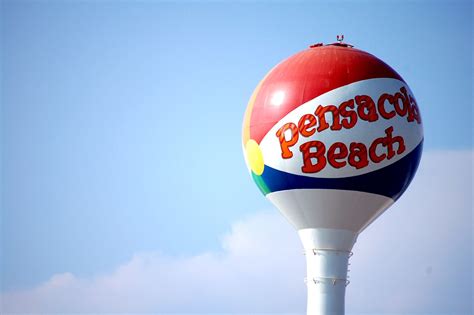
[308, 74]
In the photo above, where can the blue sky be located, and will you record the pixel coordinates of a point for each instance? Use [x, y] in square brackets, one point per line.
[121, 121]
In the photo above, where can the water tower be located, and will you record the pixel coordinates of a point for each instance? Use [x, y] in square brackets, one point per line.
[332, 136]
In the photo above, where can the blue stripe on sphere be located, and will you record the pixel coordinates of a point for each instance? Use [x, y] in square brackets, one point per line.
[390, 181]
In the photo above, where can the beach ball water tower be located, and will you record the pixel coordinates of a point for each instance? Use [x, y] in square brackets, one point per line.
[332, 136]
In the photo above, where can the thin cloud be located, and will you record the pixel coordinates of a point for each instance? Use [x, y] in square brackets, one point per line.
[417, 257]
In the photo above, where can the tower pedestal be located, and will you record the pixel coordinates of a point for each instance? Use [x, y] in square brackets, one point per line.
[327, 254]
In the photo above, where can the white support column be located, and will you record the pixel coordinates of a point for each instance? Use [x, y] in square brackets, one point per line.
[326, 281]
[327, 254]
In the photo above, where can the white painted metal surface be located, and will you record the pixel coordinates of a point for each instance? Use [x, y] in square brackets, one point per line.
[327, 254]
[329, 208]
